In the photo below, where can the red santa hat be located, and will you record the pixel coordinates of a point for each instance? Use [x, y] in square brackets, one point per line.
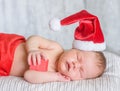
[88, 35]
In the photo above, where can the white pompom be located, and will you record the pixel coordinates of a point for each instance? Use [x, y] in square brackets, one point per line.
[55, 24]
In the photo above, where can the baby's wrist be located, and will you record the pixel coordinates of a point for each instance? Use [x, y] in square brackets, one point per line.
[32, 50]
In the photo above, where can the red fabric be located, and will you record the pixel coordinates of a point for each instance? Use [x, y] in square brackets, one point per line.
[8, 43]
[88, 29]
[42, 67]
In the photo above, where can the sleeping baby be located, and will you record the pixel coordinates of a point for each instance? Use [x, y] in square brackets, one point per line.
[40, 60]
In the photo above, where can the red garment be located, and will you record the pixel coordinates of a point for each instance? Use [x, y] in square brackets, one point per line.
[8, 44]
[42, 67]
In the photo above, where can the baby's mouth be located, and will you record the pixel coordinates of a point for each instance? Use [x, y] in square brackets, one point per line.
[67, 66]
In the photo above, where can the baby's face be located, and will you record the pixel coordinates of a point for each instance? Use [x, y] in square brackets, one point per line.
[78, 64]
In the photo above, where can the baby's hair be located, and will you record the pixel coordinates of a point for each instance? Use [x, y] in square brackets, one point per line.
[102, 62]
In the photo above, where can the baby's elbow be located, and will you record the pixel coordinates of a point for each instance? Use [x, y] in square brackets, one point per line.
[29, 77]
[32, 77]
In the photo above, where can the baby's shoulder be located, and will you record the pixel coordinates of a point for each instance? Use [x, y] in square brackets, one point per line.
[56, 46]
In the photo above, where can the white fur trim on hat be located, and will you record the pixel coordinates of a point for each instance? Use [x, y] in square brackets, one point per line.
[88, 45]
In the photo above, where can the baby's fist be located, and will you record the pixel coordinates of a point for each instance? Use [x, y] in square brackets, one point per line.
[62, 77]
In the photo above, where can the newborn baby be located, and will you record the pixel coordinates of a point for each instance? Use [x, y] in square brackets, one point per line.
[63, 65]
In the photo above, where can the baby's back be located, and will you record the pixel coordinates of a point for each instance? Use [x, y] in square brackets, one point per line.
[19, 65]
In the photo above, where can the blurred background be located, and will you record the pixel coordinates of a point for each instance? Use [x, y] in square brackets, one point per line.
[29, 17]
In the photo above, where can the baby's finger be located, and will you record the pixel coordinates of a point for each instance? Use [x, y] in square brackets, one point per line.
[63, 78]
[67, 78]
[29, 59]
[34, 60]
[44, 57]
[38, 57]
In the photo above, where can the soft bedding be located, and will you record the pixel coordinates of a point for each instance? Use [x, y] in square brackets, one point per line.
[109, 81]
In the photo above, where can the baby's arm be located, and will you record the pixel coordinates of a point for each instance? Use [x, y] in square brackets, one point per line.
[43, 77]
[35, 45]
[36, 42]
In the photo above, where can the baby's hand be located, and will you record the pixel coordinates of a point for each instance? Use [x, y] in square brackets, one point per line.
[35, 57]
[63, 77]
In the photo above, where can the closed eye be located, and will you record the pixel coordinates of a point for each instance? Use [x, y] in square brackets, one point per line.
[79, 58]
